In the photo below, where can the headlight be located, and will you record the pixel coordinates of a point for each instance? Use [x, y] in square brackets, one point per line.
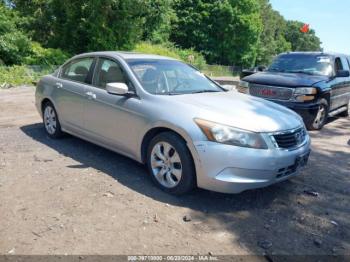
[303, 94]
[230, 135]
[243, 87]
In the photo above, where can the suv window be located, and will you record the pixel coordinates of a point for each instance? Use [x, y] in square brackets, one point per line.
[345, 63]
[78, 70]
[108, 71]
[338, 65]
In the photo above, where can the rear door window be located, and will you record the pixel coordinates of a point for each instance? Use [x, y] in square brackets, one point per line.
[338, 65]
[78, 70]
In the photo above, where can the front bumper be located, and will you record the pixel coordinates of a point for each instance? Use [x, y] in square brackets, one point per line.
[231, 169]
[307, 111]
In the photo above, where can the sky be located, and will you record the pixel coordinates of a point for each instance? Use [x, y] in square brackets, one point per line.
[329, 18]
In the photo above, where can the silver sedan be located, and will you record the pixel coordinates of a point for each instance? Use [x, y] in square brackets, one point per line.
[166, 114]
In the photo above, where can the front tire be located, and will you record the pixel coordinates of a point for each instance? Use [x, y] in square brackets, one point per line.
[321, 117]
[51, 121]
[170, 164]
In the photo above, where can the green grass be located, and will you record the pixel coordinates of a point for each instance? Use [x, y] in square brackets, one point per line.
[21, 75]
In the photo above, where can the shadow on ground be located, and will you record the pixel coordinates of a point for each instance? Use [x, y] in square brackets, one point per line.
[281, 219]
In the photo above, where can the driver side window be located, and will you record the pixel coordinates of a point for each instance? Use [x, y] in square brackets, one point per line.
[108, 71]
[338, 65]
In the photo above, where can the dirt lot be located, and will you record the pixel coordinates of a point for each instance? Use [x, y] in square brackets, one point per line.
[71, 197]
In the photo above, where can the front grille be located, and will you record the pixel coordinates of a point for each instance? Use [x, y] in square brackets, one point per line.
[271, 92]
[290, 139]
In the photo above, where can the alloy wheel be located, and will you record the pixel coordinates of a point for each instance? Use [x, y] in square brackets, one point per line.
[321, 114]
[50, 120]
[166, 164]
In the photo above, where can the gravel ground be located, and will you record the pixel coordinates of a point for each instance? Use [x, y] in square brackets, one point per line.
[69, 196]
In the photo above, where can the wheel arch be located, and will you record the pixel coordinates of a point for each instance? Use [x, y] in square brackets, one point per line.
[43, 103]
[160, 128]
[327, 96]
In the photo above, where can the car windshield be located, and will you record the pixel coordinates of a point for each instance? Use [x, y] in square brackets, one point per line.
[170, 77]
[306, 64]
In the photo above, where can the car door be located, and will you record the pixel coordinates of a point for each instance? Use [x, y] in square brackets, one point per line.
[339, 85]
[345, 90]
[70, 92]
[112, 119]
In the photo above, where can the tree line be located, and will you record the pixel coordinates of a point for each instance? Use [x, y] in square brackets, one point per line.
[227, 32]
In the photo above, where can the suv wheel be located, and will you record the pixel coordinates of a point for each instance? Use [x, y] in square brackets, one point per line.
[321, 117]
[170, 164]
[51, 122]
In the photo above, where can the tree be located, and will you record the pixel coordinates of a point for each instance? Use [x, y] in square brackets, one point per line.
[158, 16]
[89, 25]
[14, 44]
[225, 31]
[301, 41]
[37, 16]
[272, 40]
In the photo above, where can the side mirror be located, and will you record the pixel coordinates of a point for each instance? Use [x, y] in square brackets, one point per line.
[343, 73]
[120, 89]
[261, 68]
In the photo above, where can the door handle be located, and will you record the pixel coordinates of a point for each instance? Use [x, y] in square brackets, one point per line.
[91, 95]
[59, 85]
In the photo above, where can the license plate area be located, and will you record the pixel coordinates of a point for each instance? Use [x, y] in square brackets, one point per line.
[301, 161]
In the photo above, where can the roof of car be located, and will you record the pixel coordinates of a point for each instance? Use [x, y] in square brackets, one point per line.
[124, 55]
[318, 53]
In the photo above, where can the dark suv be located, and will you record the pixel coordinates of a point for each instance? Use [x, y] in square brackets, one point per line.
[314, 84]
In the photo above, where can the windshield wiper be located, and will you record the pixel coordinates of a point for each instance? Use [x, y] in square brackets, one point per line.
[204, 91]
[301, 72]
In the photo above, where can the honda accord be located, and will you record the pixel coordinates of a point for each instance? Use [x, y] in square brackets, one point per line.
[186, 128]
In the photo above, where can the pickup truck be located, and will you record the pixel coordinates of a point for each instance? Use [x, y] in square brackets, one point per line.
[316, 85]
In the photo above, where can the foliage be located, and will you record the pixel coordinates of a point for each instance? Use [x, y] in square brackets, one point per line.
[45, 56]
[225, 31]
[14, 44]
[158, 16]
[272, 40]
[20, 75]
[187, 55]
[229, 32]
[90, 25]
[301, 41]
[280, 35]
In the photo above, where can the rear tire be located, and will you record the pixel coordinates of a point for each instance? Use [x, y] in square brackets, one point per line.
[51, 122]
[321, 117]
[170, 164]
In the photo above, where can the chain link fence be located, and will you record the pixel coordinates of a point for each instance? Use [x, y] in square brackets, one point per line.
[220, 70]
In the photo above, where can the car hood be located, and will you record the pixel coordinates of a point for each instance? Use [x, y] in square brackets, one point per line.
[239, 110]
[284, 79]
